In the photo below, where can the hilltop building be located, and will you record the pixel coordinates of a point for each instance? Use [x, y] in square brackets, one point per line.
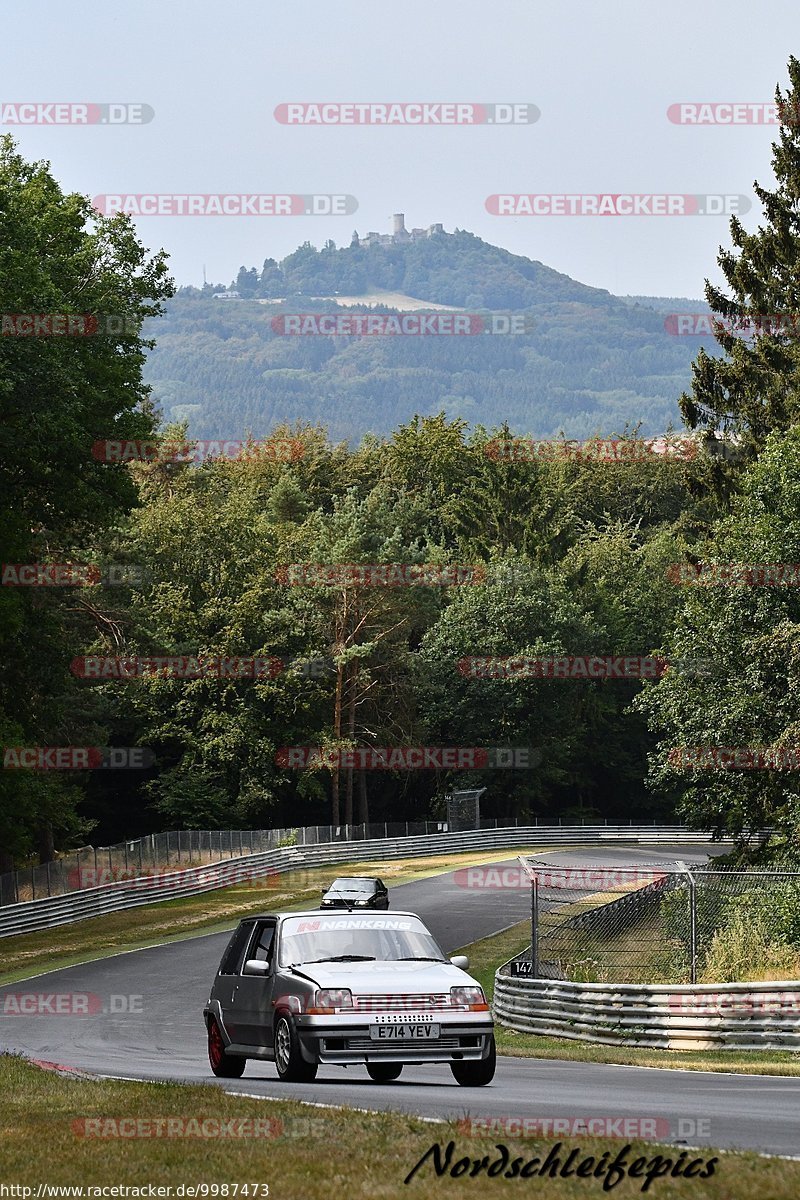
[400, 236]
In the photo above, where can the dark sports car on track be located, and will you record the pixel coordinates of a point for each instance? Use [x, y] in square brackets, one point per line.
[351, 891]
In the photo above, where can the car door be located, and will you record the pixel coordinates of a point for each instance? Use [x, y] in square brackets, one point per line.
[382, 899]
[227, 980]
[252, 1003]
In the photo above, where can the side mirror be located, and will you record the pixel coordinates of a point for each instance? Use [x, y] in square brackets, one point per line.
[254, 966]
[461, 961]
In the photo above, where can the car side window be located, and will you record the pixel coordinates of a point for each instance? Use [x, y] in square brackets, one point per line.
[263, 942]
[232, 958]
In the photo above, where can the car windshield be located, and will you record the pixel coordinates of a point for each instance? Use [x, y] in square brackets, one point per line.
[353, 885]
[343, 939]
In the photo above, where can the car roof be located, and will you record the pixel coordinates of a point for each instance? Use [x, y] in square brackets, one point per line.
[321, 914]
[371, 878]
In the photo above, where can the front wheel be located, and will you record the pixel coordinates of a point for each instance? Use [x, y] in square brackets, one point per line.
[384, 1072]
[476, 1073]
[224, 1065]
[289, 1062]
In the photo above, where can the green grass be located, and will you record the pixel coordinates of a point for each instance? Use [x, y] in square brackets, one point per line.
[489, 953]
[312, 1153]
[47, 950]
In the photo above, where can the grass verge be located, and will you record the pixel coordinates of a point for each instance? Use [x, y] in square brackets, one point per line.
[210, 912]
[303, 1152]
[488, 954]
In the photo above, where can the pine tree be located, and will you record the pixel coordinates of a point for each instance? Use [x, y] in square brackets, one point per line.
[755, 387]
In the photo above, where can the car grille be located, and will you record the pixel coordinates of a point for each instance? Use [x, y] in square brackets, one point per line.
[420, 1002]
[356, 1045]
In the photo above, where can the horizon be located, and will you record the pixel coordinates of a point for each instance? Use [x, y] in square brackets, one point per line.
[258, 102]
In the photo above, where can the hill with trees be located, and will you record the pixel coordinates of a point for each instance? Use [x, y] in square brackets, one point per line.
[588, 363]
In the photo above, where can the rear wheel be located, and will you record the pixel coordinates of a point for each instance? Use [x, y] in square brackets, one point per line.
[224, 1065]
[384, 1072]
[289, 1062]
[476, 1073]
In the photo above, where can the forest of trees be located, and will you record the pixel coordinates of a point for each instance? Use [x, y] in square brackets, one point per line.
[579, 557]
[591, 362]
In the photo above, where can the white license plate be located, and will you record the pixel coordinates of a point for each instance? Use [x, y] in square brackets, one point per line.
[403, 1033]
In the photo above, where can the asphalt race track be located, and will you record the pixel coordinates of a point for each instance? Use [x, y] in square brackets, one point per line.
[146, 1023]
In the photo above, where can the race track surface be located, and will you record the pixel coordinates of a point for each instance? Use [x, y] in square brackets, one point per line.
[146, 1023]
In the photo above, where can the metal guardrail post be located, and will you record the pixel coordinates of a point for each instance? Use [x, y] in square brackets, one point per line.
[535, 926]
[692, 929]
[692, 898]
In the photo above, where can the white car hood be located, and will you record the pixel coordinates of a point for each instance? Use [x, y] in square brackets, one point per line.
[390, 977]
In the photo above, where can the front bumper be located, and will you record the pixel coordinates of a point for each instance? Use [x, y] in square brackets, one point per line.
[346, 1038]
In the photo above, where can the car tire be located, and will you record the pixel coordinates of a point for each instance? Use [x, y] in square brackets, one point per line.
[476, 1073]
[289, 1062]
[384, 1072]
[224, 1065]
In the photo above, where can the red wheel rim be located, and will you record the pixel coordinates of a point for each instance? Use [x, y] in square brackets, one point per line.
[216, 1047]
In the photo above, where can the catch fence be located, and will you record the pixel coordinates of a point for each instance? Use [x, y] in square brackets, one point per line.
[652, 922]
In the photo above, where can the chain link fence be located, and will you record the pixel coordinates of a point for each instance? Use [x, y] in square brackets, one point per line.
[93, 866]
[658, 923]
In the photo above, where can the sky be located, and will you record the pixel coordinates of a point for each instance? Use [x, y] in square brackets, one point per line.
[601, 75]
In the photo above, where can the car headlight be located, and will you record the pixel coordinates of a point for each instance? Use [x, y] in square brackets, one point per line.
[327, 902]
[361, 903]
[331, 1000]
[471, 998]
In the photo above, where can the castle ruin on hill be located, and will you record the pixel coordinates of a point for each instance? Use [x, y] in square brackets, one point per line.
[400, 236]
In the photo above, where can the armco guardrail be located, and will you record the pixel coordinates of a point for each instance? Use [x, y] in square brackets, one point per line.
[741, 1016]
[131, 893]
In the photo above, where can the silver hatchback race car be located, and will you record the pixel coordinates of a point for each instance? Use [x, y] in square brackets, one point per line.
[306, 988]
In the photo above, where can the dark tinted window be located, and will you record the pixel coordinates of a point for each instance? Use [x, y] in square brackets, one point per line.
[231, 959]
[261, 948]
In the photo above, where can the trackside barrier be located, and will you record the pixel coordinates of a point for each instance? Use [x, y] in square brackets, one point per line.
[51, 911]
[737, 1016]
